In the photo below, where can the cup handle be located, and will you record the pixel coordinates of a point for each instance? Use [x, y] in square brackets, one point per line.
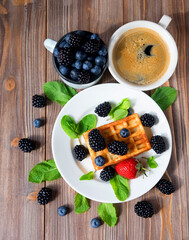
[164, 21]
[50, 44]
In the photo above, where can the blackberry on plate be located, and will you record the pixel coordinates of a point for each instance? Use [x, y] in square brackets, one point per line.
[75, 40]
[84, 77]
[147, 120]
[158, 144]
[144, 209]
[92, 46]
[80, 152]
[165, 186]
[44, 196]
[99, 161]
[119, 148]
[38, 101]
[103, 109]
[107, 173]
[26, 145]
[96, 141]
[66, 56]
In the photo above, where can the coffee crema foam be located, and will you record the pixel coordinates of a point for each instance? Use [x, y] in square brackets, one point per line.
[141, 56]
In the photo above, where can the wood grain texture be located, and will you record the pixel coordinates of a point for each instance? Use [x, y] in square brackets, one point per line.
[25, 65]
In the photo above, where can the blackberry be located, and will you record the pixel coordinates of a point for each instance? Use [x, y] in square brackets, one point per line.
[107, 173]
[147, 120]
[96, 141]
[144, 209]
[84, 77]
[80, 152]
[44, 196]
[66, 56]
[103, 109]
[26, 145]
[119, 148]
[92, 46]
[38, 101]
[75, 40]
[157, 144]
[165, 186]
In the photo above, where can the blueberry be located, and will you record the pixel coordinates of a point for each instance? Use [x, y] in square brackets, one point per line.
[37, 123]
[67, 45]
[80, 55]
[95, 222]
[62, 44]
[64, 70]
[73, 65]
[74, 74]
[100, 60]
[99, 161]
[130, 111]
[81, 33]
[96, 70]
[67, 37]
[87, 65]
[90, 58]
[103, 51]
[124, 132]
[62, 210]
[56, 52]
[78, 64]
[95, 36]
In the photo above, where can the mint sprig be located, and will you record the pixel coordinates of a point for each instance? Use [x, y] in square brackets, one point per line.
[58, 92]
[81, 204]
[108, 213]
[44, 171]
[151, 162]
[121, 110]
[120, 186]
[88, 176]
[75, 130]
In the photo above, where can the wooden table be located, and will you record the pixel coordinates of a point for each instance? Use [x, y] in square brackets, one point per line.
[25, 66]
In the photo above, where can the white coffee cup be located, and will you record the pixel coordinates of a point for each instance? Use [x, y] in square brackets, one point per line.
[160, 28]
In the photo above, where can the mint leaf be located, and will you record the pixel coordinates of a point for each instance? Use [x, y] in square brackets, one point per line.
[44, 171]
[74, 130]
[164, 96]
[58, 92]
[108, 213]
[120, 111]
[69, 126]
[88, 176]
[120, 186]
[151, 162]
[81, 204]
[86, 123]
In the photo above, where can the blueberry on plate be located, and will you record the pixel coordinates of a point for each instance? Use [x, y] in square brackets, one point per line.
[78, 64]
[62, 210]
[96, 222]
[74, 74]
[96, 70]
[64, 70]
[90, 58]
[87, 65]
[95, 36]
[62, 44]
[124, 132]
[130, 111]
[56, 52]
[37, 123]
[80, 55]
[99, 161]
[100, 60]
[67, 37]
[103, 51]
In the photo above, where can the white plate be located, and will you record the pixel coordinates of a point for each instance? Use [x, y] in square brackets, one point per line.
[84, 103]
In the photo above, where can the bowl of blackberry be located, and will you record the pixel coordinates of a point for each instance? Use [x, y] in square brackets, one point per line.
[79, 57]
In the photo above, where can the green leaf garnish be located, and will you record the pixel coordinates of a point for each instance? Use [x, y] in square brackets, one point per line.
[81, 204]
[151, 162]
[121, 110]
[164, 96]
[74, 130]
[44, 171]
[108, 213]
[88, 176]
[58, 92]
[120, 186]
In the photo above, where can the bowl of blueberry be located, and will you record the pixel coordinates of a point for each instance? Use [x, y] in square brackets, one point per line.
[79, 57]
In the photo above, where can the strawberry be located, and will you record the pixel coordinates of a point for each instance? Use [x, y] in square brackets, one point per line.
[129, 168]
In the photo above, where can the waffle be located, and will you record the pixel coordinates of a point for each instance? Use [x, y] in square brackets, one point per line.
[137, 141]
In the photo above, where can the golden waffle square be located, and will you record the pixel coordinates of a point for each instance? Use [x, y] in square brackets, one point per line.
[137, 141]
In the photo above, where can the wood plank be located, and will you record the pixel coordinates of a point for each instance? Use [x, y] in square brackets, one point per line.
[22, 72]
